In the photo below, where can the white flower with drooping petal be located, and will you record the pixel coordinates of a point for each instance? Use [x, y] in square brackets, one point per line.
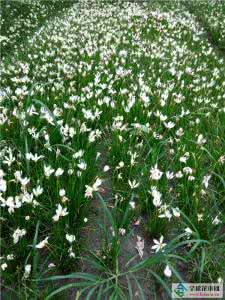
[167, 271]
[42, 244]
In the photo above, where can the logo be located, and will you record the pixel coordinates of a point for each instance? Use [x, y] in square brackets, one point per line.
[197, 290]
[180, 290]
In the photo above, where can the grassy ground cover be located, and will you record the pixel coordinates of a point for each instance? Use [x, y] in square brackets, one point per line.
[211, 15]
[120, 106]
[19, 20]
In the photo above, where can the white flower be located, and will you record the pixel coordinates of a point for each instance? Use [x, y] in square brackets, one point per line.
[133, 184]
[183, 159]
[35, 157]
[2, 174]
[169, 125]
[155, 173]
[156, 196]
[221, 160]
[24, 181]
[167, 271]
[179, 174]
[48, 171]
[10, 257]
[70, 238]
[82, 165]
[85, 220]
[38, 191]
[71, 253]
[167, 214]
[59, 172]
[70, 171]
[4, 266]
[169, 175]
[201, 140]
[27, 271]
[132, 204]
[188, 232]
[91, 189]
[216, 221]
[62, 192]
[42, 244]
[60, 212]
[159, 245]
[122, 231]
[18, 233]
[140, 246]
[3, 185]
[106, 168]
[200, 217]
[205, 181]
[176, 212]
[97, 184]
[121, 165]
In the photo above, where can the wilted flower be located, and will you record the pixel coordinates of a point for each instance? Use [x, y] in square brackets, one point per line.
[140, 246]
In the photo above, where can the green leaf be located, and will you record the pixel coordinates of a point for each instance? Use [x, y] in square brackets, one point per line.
[77, 275]
[68, 286]
[141, 292]
[129, 288]
[162, 282]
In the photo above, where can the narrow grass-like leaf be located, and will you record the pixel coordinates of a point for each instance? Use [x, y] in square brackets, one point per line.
[161, 281]
[129, 288]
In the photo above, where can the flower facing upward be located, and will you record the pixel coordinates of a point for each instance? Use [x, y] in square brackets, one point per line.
[159, 245]
[155, 173]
